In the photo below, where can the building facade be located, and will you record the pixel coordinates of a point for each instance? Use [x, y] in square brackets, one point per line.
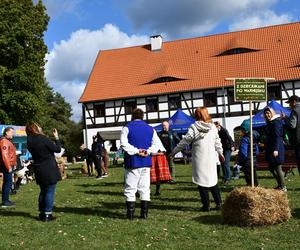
[162, 77]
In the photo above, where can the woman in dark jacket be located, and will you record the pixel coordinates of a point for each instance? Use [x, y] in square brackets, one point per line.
[274, 146]
[46, 171]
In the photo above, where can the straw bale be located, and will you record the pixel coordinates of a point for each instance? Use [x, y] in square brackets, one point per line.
[256, 206]
[84, 169]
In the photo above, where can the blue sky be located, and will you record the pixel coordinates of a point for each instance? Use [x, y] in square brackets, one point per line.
[78, 29]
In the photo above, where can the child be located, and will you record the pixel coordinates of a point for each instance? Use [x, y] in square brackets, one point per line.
[244, 158]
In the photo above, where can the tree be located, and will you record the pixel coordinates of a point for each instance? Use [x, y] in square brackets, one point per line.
[25, 95]
[22, 61]
[59, 114]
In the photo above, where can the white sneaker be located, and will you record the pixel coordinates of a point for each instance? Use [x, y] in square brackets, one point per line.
[283, 189]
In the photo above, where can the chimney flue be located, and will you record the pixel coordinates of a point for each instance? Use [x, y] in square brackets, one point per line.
[156, 42]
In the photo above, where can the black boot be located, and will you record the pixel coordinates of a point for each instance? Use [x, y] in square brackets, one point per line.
[47, 218]
[41, 216]
[130, 209]
[144, 209]
[157, 192]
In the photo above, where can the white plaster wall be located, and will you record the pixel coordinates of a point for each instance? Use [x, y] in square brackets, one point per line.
[153, 115]
[164, 115]
[142, 107]
[110, 111]
[212, 110]
[99, 120]
[110, 119]
[189, 104]
[198, 103]
[163, 106]
[89, 122]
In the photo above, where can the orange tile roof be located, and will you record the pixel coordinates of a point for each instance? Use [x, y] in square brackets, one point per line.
[122, 73]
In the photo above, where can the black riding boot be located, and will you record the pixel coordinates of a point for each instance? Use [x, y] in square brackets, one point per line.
[157, 192]
[144, 209]
[130, 209]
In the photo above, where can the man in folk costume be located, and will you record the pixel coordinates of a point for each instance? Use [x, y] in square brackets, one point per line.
[138, 140]
[8, 162]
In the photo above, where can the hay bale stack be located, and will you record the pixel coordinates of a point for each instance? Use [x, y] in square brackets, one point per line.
[257, 206]
[84, 169]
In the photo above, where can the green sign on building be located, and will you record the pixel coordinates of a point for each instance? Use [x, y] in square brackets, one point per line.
[250, 90]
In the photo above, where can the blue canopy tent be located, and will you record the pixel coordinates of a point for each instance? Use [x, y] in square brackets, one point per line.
[179, 122]
[259, 121]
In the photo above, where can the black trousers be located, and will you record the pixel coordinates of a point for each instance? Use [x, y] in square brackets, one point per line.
[97, 163]
[89, 164]
[205, 196]
[277, 173]
[297, 152]
[247, 172]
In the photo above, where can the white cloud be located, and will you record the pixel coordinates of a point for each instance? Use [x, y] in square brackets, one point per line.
[70, 61]
[56, 8]
[260, 19]
[72, 92]
[189, 17]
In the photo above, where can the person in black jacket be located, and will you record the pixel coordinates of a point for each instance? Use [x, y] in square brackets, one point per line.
[46, 170]
[292, 124]
[97, 150]
[274, 146]
[169, 139]
[228, 147]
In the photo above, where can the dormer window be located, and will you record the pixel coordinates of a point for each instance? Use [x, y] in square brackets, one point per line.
[165, 79]
[236, 51]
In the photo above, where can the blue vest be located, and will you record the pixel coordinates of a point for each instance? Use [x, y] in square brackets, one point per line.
[140, 136]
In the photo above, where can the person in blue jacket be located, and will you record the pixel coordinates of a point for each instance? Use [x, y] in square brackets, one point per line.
[138, 140]
[244, 156]
[274, 146]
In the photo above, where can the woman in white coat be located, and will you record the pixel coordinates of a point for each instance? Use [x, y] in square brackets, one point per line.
[205, 141]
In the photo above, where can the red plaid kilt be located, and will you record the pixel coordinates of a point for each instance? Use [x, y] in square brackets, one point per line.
[159, 172]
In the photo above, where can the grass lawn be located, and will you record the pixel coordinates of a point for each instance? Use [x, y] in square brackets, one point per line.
[91, 215]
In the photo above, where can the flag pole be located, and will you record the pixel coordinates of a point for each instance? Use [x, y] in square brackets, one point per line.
[251, 146]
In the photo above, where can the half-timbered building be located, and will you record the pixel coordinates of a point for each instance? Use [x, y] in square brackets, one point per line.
[161, 77]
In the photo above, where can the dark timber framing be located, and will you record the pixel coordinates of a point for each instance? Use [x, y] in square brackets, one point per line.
[118, 117]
